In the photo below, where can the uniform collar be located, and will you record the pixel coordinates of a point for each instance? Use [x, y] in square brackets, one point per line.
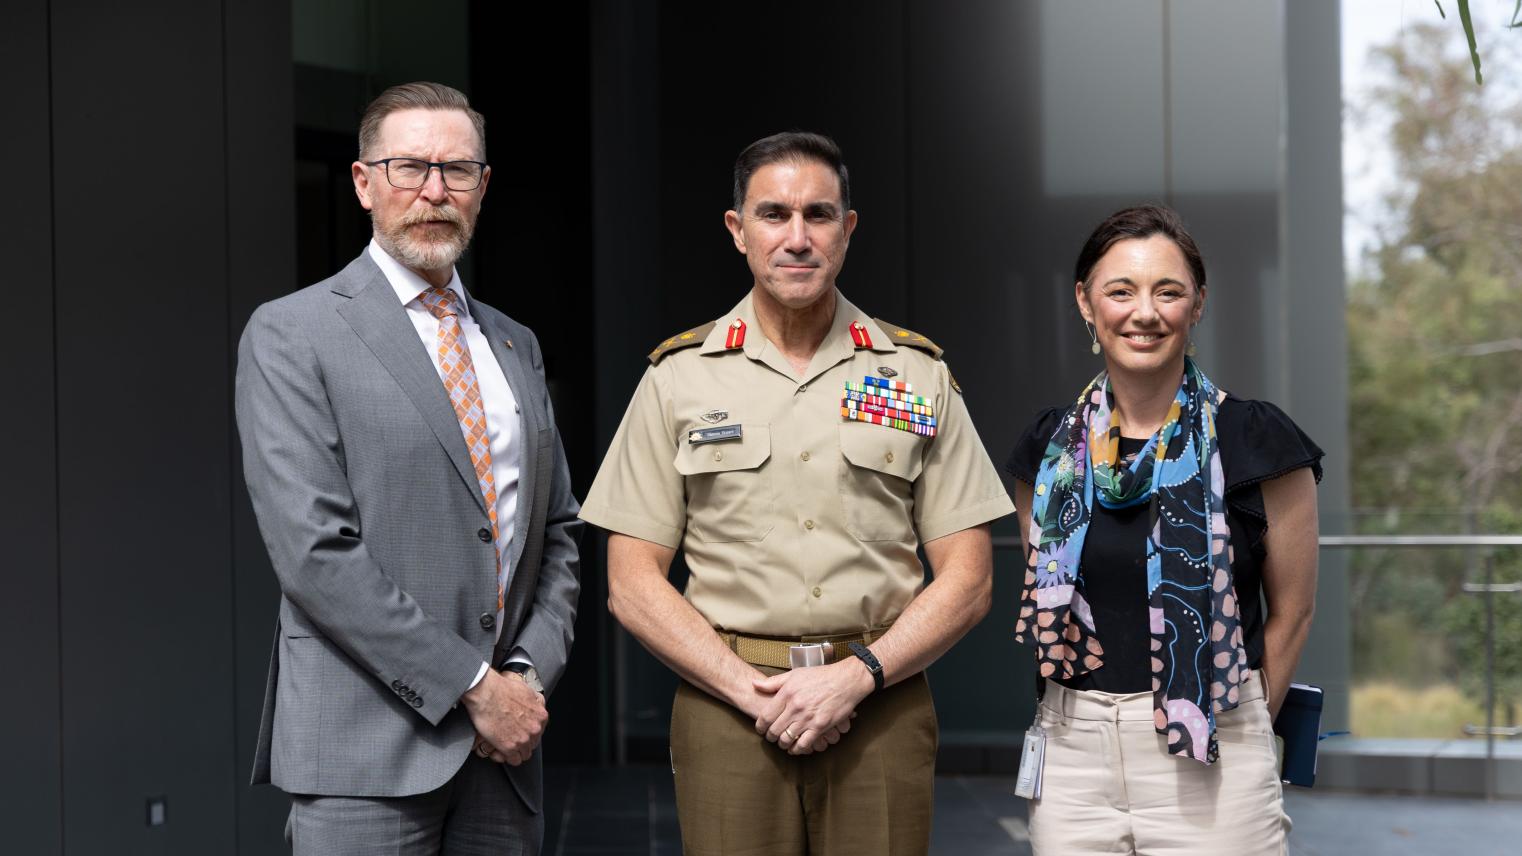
[407, 284]
[837, 347]
[837, 341]
[846, 314]
[718, 337]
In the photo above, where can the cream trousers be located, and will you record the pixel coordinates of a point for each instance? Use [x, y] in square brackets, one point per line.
[1109, 785]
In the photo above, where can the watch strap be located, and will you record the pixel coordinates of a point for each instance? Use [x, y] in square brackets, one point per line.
[864, 654]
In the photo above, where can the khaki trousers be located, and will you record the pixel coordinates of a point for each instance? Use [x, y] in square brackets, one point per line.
[871, 793]
[1109, 785]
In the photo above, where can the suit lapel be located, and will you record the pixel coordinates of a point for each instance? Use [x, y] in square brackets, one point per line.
[381, 322]
[528, 426]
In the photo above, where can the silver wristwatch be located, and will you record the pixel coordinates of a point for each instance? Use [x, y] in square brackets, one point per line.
[528, 673]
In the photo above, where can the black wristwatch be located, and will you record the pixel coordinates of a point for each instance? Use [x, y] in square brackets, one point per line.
[865, 654]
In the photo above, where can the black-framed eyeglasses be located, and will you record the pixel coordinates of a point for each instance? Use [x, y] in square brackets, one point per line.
[412, 173]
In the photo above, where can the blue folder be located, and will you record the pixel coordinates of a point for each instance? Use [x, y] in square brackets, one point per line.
[1299, 726]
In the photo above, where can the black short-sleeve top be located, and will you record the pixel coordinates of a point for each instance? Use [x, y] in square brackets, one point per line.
[1258, 442]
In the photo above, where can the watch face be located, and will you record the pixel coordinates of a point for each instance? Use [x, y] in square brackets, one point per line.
[531, 677]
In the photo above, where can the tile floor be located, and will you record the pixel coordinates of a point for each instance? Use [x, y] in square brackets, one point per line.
[631, 810]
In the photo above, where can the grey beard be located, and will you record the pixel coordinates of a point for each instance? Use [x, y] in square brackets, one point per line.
[422, 255]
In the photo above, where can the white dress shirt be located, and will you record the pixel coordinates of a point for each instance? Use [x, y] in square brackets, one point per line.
[496, 399]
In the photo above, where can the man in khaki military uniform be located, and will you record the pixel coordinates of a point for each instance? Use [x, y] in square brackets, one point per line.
[799, 452]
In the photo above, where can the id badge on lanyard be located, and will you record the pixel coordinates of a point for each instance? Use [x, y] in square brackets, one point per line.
[1032, 760]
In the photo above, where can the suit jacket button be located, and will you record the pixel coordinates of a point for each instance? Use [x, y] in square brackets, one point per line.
[484, 534]
[417, 701]
[488, 621]
[396, 685]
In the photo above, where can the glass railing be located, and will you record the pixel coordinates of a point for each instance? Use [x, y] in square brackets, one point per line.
[1435, 622]
[1435, 625]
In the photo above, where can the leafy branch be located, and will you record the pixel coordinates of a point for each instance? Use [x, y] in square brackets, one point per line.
[1469, 31]
[1474, 50]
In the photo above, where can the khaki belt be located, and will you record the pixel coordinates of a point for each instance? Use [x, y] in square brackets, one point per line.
[773, 651]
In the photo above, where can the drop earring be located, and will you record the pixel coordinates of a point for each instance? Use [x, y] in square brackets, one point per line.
[1093, 338]
[1190, 351]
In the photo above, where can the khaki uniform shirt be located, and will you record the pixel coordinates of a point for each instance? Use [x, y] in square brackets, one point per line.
[807, 523]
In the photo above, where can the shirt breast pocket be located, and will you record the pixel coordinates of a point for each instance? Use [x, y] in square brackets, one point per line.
[879, 466]
[729, 491]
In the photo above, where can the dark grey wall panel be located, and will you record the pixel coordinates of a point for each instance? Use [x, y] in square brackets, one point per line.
[261, 253]
[725, 82]
[143, 424]
[1238, 237]
[30, 807]
[627, 177]
[975, 210]
[977, 287]
[1315, 366]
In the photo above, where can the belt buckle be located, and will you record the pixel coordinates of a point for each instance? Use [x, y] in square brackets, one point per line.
[808, 654]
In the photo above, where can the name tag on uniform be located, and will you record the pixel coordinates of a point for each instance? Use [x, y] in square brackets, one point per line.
[699, 436]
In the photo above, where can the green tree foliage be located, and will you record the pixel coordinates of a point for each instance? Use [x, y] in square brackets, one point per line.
[1435, 365]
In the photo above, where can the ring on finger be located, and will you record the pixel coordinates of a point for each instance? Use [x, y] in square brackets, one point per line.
[789, 732]
[483, 750]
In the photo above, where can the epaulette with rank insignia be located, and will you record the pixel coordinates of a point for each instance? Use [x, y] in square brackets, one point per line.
[695, 336]
[905, 336]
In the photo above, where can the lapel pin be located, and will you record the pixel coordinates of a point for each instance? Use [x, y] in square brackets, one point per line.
[885, 371]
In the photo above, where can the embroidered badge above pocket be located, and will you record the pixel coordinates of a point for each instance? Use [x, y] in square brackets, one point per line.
[713, 435]
[888, 402]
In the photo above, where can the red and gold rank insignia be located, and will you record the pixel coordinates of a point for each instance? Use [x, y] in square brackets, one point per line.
[860, 336]
[735, 338]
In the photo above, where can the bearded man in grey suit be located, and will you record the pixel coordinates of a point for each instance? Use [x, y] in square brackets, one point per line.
[410, 484]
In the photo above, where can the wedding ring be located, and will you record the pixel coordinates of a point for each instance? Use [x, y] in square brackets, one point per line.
[790, 735]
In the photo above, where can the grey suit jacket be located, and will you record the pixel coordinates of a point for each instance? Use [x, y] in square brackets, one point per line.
[370, 509]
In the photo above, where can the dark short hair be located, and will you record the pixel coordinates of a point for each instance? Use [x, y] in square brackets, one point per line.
[421, 95]
[1142, 221]
[790, 146]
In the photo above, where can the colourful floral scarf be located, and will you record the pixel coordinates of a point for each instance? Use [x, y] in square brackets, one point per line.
[1198, 660]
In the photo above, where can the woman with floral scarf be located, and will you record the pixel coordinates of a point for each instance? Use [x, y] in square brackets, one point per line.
[1161, 515]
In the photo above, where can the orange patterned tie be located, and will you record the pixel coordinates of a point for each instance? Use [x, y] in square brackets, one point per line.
[459, 376]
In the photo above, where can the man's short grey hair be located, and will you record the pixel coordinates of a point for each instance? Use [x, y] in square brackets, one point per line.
[421, 95]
